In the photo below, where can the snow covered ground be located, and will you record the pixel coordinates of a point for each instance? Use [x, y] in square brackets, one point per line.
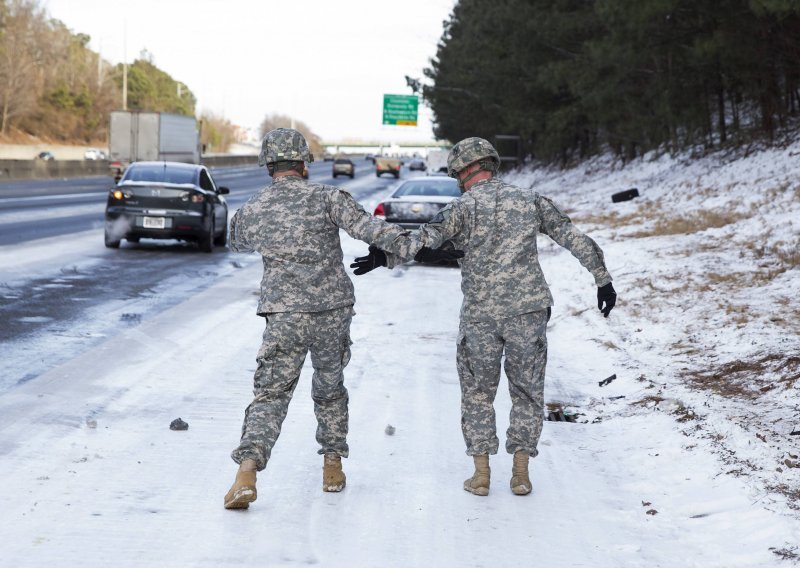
[687, 459]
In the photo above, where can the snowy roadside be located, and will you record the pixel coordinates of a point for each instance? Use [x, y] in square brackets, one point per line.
[707, 265]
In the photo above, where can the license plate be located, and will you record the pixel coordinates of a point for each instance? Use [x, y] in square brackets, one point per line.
[153, 222]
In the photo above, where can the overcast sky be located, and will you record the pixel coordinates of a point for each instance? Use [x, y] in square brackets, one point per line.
[326, 63]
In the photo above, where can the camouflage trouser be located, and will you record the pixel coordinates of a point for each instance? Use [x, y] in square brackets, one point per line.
[288, 337]
[480, 351]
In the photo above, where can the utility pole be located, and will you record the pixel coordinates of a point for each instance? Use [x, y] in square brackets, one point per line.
[125, 66]
[100, 65]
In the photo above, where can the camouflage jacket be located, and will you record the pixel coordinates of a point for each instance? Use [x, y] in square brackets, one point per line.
[496, 225]
[294, 225]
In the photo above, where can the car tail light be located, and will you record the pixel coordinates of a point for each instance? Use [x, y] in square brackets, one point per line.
[379, 212]
[118, 194]
[198, 198]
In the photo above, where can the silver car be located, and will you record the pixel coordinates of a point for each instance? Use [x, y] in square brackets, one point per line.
[418, 200]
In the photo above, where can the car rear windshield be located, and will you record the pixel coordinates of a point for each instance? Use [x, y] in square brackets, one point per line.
[341, 161]
[160, 174]
[441, 189]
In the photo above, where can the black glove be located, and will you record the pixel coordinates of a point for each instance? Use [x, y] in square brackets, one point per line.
[373, 260]
[426, 254]
[607, 295]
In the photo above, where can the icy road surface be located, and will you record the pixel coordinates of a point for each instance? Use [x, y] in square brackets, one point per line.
[93, 476]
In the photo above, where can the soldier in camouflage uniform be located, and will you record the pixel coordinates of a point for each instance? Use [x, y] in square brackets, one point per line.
[506, 301]
[307, 301]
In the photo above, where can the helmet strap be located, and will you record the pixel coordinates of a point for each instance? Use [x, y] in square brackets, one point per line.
[485, 165]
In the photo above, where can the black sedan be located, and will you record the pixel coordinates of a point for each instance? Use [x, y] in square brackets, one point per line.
[167, 200]
[418, 200]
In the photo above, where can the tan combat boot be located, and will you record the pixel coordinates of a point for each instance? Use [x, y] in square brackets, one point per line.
[333, 478]
[243, 490]
[520, 482]
[478, 484]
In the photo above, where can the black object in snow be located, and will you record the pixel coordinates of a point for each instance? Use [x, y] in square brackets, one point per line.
[607, 380]
[178, 424]
[626, 195]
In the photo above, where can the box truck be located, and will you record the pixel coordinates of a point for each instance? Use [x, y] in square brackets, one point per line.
[151, 136]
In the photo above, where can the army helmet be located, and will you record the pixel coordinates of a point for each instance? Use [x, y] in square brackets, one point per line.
[471, 150]
[284, 145]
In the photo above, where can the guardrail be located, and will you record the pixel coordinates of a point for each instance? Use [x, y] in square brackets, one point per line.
[46, 169]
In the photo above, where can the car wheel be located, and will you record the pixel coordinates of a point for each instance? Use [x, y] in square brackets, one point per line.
[352, 176]
[334, 176]
[110, 241]
[206, 242]
[377, 174]
[222, 240]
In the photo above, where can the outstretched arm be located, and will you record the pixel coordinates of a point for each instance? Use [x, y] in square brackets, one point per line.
[401, 245]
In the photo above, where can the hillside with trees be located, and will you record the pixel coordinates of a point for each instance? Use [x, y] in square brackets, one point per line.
[53, 87]
[573, 78]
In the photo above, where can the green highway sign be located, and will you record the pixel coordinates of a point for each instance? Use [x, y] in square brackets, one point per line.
[400, 110]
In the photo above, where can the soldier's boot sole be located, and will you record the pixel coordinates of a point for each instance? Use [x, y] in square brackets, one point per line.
[241, 498]
[243, 492]
[333, 487]
[481, 490]
[520, 486]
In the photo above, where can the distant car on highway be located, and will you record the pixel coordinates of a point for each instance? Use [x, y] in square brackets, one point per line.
[345, 167]
[417, 164]
[327, 157]
[167, 200]
[387, 166]
[418, 200]
[94, 154]
[46, 156]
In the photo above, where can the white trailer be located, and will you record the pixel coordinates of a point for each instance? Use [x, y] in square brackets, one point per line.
[436, 160]
[151, 136]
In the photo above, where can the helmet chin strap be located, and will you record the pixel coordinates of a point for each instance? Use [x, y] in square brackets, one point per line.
[484, 166]
[462, 183]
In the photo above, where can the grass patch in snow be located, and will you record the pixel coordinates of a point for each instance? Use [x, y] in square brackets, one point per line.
[749, 378]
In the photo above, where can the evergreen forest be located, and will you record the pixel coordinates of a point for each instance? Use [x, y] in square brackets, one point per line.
[575, 77]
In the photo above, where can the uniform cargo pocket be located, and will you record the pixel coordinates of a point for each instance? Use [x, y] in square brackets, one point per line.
[346, 351]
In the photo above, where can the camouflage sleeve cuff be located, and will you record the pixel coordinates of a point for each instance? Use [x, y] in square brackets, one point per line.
[602, 277]
[393, 260]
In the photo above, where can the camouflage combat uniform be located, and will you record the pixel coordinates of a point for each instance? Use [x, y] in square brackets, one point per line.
[506, 302]
[307, 300]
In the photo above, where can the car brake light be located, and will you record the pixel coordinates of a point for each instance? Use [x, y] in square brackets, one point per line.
[379, 212]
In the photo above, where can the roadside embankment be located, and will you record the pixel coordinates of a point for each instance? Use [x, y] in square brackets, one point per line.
[41, 169]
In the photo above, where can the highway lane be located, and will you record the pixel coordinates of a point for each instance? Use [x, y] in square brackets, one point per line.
[49, 208]
[67, 306]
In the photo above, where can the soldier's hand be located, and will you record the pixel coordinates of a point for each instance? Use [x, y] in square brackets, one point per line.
[606, 299]
[373, 260]
[426, 254]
